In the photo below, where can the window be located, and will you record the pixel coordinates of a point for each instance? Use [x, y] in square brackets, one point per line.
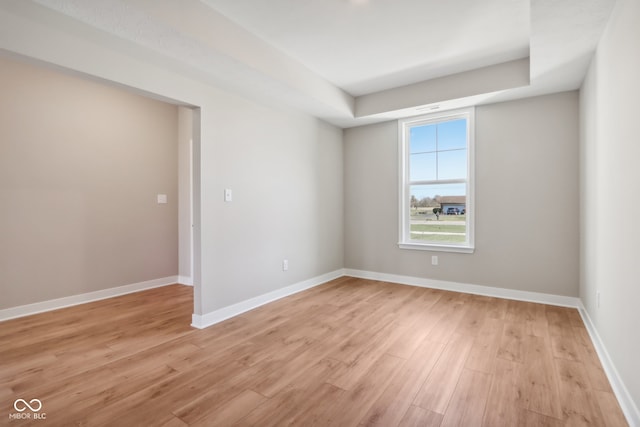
[436, 182]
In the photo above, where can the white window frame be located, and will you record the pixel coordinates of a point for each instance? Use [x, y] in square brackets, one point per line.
[404, 125]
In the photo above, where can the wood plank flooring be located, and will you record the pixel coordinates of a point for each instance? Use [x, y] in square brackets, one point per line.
[351, 352]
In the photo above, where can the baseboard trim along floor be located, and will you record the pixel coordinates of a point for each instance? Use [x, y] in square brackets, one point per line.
[629, 408]
[55, 304]
[211, 318]
[208, 319]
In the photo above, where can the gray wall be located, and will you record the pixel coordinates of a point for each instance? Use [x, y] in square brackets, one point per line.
[81, 164]
[610, 151]
[526, 200]
[285, 170]
[284, 167]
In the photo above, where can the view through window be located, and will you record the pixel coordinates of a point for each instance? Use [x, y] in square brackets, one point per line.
[437, 203]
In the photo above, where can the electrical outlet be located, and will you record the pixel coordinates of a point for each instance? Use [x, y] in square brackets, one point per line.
[434, 260]
[598, 299]
[285, 264]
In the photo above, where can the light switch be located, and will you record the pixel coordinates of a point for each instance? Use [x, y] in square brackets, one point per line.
[228, 195]
[162, 198]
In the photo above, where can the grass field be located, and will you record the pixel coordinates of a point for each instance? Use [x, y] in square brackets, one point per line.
[426, 226]
[443, 228]
[422, 214]
[440, 238]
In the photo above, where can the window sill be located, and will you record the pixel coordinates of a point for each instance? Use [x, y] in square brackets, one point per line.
[436, 248]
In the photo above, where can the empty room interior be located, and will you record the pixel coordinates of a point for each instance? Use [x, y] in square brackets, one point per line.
[331, 213]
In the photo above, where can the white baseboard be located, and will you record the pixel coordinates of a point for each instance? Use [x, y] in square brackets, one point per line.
[185, 280]
[466, 288]
[209, 319]
[55, 304]
[627, 404]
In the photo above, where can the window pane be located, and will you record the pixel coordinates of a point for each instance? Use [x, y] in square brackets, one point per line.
[422, 139]
[422, 167]
[446, 226]
[452, 134]
[452, 164]
[441, 190]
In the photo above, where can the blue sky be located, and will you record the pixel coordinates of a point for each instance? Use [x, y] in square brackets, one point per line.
[438, 151]
[421, 191]
[450, 135]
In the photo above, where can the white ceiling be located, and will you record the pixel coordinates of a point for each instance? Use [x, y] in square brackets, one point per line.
[368, 46]
[353, 62]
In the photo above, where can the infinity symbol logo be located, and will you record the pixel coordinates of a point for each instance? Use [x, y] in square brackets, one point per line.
[25, 405]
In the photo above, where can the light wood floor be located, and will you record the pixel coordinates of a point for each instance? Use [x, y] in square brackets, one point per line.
[350, 353]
